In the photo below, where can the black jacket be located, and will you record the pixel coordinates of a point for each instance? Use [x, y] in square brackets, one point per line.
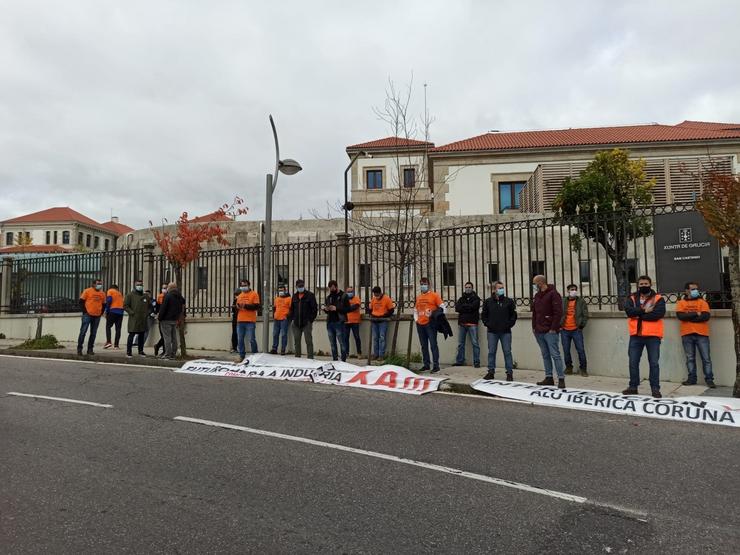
[303, 311]
[499, 314]
[441, 325]
[173, 306]
[468, 307]
[341, 301]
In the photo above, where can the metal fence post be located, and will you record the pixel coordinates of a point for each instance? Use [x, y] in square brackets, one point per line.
[5, 291]
[148, 271]
[343, 260]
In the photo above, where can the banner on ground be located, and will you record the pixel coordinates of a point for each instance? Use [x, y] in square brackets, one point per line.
[273, 367]
[687, 409]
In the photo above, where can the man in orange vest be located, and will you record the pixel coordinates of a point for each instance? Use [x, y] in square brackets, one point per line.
[92, 302]
[248, 302]
[427, 303]
[354, 317]
[645, 311]
[113, 316]
[280, 312]
[693, 313]
[381, 309]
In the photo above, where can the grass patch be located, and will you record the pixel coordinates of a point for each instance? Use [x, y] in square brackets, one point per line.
[401, 360]
[44, 342]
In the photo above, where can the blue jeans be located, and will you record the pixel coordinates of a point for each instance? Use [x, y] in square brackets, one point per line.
[636, 345]
[550, 348]
[92, 323]
[336, 333]
[464, 331]
[246, 329]
[576, 336]
[691, 342]
[428, 338]
[280, 332]
[354, 329]
[505, 339]
[379, 331]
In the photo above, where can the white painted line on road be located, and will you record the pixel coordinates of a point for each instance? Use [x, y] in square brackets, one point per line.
[77, 401]
[393, 458]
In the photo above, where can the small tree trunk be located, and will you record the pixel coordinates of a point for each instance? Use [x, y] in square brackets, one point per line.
[619, 263]
[399, 308]
[734, 263]
[181, 326]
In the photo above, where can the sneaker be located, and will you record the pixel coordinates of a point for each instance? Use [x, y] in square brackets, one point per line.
[90, 352]
[424, 369]
[143, 354]
[273, 351]
[232, 350]
[459, 364]
[116, 348]
[710, 384]
[547, 381]
[107, 345]
[583, 372]
[129, 355]
[79, 352]
[656, 393]
[561, 384]
[509, 377]
[435, 370]
[630, 391]
[490, 375]
[688, 382]
[282, 353]
[569, 370]
[476, 365]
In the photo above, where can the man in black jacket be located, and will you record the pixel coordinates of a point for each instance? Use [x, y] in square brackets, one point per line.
[303, 311]
[171, 314]
[499, 316]
[468, 307]
[335, 307]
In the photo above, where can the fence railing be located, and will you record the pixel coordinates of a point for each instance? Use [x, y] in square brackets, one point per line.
[512, 252]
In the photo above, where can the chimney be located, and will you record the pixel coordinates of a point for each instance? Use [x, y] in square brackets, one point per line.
[114, 219]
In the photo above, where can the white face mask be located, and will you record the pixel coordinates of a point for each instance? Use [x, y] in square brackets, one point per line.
[572, 294]
[535, 288]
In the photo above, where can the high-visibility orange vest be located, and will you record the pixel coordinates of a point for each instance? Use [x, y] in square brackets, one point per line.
[355, 316]
[646, 328]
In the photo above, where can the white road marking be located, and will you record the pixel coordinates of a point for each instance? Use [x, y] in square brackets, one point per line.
[639, 515]
[77, 401]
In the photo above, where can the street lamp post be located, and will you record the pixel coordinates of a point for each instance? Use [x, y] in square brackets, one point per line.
[347, 207]
[288, 167]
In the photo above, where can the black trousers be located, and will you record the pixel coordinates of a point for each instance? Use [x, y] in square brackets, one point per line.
[139, 342]
[110, 321]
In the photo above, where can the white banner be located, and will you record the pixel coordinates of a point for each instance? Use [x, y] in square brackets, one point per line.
[707, 410]
[273, 367]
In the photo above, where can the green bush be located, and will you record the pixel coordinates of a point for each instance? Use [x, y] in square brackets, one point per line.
[401, 360]
[44, 342]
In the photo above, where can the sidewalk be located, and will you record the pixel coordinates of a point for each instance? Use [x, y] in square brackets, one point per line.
[459, 379]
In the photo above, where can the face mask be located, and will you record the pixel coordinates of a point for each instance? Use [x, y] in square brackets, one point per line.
[500, 291]
[351, 294]
[139, 288]
[244, 289]
[468, 290]
[300, 289]
[99, 286]
[164, 290]
[535, 288]
[572, 294]
[424, 288]
[283, 293]
[694, 294]
[645, 289]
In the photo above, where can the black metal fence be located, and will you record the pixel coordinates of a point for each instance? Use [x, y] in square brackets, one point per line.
[512, 252]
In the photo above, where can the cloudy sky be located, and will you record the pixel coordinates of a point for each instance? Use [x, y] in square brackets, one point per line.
[148, 108]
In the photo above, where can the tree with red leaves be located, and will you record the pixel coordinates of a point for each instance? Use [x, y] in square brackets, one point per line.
[720, 207]
[184, 245]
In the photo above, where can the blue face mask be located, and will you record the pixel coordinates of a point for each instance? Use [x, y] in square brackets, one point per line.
[300, 289]
[694, 294]
[424, 288]
[500, 291]
[140, 288]
[244, 289]
[351, 294]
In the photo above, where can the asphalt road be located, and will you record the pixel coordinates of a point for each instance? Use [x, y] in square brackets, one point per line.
[86, 479]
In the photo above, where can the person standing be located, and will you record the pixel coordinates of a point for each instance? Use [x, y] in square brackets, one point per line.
[234, 313]
[575, 318]
[468, 308]
[280, 312]
[499, 316]
[547, 313]
[354, 317]
[303, 312]
[92, 303]
[645, 311]
[137, 305]
[157, 305]
[381, 309]
[171, 314]
[336, 314]
[427, 303]
[694, 314]
[248, 303]
[113, 316]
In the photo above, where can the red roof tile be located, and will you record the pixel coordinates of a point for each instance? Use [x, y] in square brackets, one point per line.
[66, 214]
[629, 134]
[117, 227]
[389, 143]
[34, 248]
[215, 216]
[709, 125]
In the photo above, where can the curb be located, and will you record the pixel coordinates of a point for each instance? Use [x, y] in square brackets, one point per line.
[139, 361]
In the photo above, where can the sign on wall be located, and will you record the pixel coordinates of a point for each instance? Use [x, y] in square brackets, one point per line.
[684, 251]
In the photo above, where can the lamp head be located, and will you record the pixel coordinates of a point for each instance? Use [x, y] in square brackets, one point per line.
[289, 166]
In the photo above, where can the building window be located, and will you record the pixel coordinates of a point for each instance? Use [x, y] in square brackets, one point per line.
[56, 237]
[48, 237]
[88, 241]
[282, 274]
[107, 244]
[584, 271]
[96, 242]
[493, 272]
[508, 195]
[9, 239]
[409, 178]
[374, 179]
[202, 277]
[65, 237]
[80, 239]
[448, 274]
[536, 268]
[366, 275]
